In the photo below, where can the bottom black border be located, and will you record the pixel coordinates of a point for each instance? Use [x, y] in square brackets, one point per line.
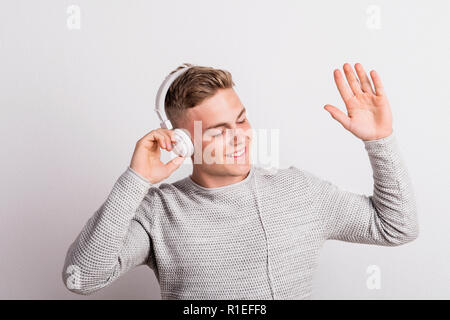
[231, 309]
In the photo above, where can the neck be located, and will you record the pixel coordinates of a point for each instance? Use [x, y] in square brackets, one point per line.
[208, 180]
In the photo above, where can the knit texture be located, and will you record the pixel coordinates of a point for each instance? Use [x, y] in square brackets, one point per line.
[255, 239]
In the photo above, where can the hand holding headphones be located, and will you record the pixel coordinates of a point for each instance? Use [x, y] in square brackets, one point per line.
[184, 146]
[146, 159]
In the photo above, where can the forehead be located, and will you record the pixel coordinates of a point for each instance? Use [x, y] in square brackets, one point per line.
[224, 106]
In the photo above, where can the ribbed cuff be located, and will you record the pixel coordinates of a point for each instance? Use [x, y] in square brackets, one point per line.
[371, 144]
[139, 176]
[384, 155]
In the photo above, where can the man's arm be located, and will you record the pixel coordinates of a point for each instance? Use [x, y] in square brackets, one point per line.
[117, 237]
[388, 217]
[113, 241]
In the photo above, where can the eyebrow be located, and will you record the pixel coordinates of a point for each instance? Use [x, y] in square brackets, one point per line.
[225, 123]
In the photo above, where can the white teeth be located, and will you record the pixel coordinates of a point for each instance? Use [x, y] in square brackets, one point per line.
[237, 154]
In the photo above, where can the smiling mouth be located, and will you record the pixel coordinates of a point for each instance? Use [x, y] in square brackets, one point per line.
[237, 154]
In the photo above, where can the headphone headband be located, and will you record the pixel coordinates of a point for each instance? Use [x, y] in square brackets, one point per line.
[161, 97]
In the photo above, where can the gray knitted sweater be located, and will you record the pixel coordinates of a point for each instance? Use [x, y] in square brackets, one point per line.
[255, 239]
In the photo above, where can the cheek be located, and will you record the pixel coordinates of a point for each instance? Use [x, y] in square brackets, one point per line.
[249, 134]
[247, 130]
[212, 145]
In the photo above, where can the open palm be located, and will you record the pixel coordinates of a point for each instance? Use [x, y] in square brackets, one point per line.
[369, 115]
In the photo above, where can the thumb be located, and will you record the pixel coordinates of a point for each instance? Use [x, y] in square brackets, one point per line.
[173, 164]
[338, 115]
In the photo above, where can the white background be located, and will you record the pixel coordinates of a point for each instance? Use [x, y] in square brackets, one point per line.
[74, 103]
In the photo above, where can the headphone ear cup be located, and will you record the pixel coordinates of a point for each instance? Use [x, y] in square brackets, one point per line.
[184, 146]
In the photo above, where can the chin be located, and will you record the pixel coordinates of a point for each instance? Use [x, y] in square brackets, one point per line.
[238, 169]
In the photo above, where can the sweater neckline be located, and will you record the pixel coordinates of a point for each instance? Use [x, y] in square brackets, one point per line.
[227, 187]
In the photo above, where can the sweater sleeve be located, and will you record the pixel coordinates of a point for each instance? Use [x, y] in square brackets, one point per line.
[388, 217]
[112, 241]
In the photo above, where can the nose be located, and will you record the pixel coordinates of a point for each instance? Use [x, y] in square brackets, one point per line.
[238, 137]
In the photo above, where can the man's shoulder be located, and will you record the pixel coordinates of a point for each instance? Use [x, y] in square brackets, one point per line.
[168, 188]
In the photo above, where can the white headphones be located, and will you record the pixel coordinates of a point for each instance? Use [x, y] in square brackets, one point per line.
[184, 146]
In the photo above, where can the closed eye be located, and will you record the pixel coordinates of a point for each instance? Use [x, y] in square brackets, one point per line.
[221, 131]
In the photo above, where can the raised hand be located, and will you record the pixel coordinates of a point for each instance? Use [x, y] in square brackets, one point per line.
[369, 115]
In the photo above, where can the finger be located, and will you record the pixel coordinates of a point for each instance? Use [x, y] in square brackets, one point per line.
[161, 140]
[173, 164]
[377, 83]
[338, 115]
[153, 136]
[343, 89]
[363, 79]
[352, 80]
[167, 139]
[171, 135]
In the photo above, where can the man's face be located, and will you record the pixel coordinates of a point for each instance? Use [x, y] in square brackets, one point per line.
[225, 135]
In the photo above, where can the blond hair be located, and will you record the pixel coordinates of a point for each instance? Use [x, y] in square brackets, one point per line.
[192, 87]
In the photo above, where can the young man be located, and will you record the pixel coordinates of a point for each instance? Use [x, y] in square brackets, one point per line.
[232, 230]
